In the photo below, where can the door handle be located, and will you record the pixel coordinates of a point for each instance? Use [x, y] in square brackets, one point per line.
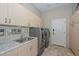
[53, 31]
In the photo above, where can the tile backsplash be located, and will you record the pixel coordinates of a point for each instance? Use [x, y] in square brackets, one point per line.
[13, 33]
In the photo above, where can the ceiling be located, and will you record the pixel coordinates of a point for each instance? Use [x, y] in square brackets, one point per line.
[42, 7]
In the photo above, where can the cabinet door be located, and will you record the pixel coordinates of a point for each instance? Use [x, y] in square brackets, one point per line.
[32, 20]
[23, 50]
[28, 49]
[33, 47]
[17, 14]
[23, 15]
[35, 21]
[11, 53]
[3, 13]
[74, 33]
[13, 14]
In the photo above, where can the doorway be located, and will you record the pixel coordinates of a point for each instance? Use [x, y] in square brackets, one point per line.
[58, 32]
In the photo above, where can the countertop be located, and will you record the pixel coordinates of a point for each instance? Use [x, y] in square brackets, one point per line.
[9, 45]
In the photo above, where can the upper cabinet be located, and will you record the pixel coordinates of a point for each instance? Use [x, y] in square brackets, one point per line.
[13, 15]
[3, 13]
[34, 20]
[23, 14]
[16, 14]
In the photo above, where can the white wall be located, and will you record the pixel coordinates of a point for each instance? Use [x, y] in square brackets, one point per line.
[59, 12]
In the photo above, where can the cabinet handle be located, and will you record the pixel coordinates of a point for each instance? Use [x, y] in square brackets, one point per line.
[30, 48]
[9, 21]
[5, 20]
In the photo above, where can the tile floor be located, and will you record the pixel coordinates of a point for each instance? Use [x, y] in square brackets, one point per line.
[54, 50]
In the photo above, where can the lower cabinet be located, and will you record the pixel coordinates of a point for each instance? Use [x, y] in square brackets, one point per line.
[23, 50]
[27, 49]
[33, 48]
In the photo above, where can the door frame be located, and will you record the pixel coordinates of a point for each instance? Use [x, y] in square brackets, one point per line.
[51, 37]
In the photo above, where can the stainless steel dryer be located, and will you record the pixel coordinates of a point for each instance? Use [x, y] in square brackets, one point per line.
[39, 33]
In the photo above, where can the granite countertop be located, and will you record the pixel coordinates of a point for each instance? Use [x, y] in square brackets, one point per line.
[9, 45]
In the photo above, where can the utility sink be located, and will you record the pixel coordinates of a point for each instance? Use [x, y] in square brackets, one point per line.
[23, 39]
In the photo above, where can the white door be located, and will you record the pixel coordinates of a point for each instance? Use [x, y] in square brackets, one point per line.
[58, 32]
